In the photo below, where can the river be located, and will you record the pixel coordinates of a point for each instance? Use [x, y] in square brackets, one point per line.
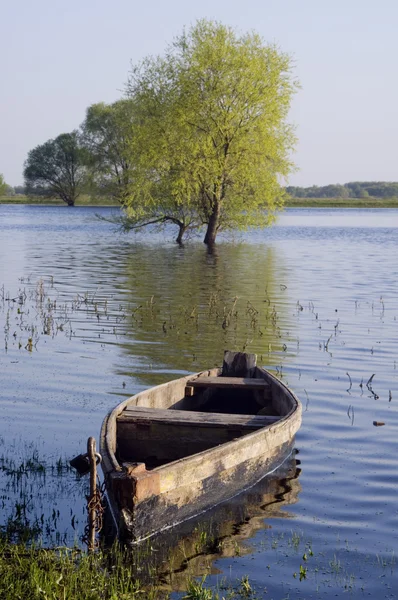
[90, 316]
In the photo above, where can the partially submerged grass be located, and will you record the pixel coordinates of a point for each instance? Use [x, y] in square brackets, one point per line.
[35, 311]
[64, 573]
[68, 573]
[33, 489]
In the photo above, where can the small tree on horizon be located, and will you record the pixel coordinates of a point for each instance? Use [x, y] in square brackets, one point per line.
[3, 186]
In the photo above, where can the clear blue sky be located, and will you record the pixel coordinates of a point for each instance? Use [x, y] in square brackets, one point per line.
[58, 57]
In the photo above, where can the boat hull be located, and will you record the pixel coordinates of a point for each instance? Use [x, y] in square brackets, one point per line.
[162, 511]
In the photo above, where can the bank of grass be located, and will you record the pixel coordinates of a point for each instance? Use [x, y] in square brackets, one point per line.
[342, 202]
[83, 200]
[32, 573]
[37, 573]
[86, 200]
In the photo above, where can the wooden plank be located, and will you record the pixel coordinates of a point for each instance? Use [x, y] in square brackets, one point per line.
[145, 416]
[247, 383]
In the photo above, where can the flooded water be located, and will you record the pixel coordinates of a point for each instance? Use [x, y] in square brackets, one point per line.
[89, 316]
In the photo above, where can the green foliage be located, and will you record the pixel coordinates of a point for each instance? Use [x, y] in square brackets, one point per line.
[358, 189]
[212, 133]
[5, 189]
[303, 572]
[377, 189]
[327, 191]
[197, 591]
[55, 169]
[108, 136]
[3, 186]
[245, 589]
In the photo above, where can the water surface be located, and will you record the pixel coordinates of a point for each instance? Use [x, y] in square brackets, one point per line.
[108, 315]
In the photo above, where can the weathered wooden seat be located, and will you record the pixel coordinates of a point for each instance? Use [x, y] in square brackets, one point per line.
[233, 383]
[141, 415]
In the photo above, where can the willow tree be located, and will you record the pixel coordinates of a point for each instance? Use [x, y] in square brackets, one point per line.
[213, 126]
[163, 184]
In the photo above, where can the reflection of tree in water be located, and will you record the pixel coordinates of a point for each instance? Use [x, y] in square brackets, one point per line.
[188, 306]
[225, 530]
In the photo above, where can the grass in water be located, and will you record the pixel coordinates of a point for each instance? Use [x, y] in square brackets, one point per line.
[69, 574]
[63, 573]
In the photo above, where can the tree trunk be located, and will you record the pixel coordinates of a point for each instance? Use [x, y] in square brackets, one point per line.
[212, 226]
[69, 200]
[181, 231]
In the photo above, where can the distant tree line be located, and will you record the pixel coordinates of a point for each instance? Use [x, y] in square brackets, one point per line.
[355, 189]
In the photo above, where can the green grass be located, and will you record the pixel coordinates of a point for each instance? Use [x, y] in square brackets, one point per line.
[63, 573]
[86, 200]
[342, 202]
[33, 573]
[25, 200]
[83, 200]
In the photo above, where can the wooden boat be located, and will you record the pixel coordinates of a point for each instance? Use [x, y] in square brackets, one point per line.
[173, 451]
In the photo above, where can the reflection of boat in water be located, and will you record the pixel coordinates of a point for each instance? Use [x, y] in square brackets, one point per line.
[224, 531]
[242, 516]
[175, 450]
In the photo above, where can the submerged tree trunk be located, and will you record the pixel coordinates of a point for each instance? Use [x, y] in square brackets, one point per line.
[68, 199]
[181, 231]
[212, 226]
